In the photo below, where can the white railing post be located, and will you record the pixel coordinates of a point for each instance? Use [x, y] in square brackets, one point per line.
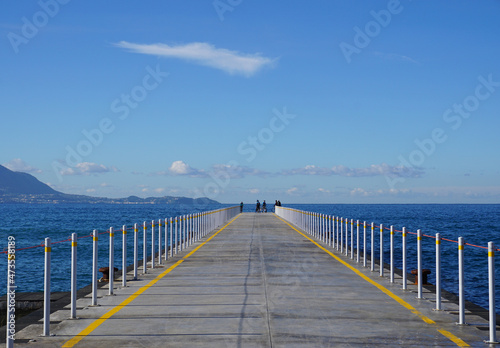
[438, 272]
[329, 230]
[346, 237]
[364, 243]
[144, 248]
[461, 295]
[357, 242]
[111, 260]
[341, 235]
[381, 258]
[153, 246]
[184, 222]
[159, 241]
[136, 250]
[352, 239]
[176, 237]
[46, 289]
[404, 271]
[392, 255]
[94, 268]
[190, 229]
[491, 287]
[171, 237]
[372, 251]
[419, 263]
[166, 239]
[337, 237]
[124, 256]
[73, 276]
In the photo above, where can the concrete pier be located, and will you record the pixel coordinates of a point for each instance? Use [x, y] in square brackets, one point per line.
[258, 282]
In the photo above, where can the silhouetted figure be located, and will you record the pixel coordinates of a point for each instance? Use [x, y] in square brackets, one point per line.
[241, 207]
[264, 207]
[257, 207]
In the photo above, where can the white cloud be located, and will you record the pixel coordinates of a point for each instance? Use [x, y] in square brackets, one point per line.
[18, 165]
[373, 170]
[88, 168]
[182, 168]
[205, 54]
[254, 190]
[292, 190]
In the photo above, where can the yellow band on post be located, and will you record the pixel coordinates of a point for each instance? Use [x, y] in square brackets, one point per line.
[438, 241]
[419, 238]
[95, 239]
[111, 234]
[48, 249]
[124, 232]
[460, 247]
[73, 244]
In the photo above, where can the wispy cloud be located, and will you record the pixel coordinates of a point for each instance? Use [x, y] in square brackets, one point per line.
[395, 57]
[18, 165]
[181, 168]
[88, 168]
[373, 170]
[237, 171]
[202, 53]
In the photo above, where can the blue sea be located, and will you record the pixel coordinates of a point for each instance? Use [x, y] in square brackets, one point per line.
[30, 224]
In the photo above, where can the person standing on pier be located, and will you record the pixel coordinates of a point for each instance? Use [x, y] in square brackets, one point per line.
[264, 207]
[257, 207]
[241, 207]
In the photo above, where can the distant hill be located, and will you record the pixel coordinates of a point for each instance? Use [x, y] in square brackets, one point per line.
[18, 187]
[22, 183]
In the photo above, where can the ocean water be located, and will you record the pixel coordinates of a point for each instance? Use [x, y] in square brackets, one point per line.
[478, 224]
[30, 224]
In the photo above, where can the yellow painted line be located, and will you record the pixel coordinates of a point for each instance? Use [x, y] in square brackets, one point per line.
[89, 329]
[459, 342]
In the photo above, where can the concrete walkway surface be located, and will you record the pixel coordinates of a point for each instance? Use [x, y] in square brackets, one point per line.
[258, 283]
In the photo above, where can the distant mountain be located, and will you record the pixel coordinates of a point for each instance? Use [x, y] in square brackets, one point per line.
[17, 187]
[22, 183]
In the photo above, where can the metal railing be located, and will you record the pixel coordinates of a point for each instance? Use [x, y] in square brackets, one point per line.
[173, 234]
[334, 232]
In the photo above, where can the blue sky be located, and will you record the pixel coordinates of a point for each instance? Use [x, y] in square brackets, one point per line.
[306, 102]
